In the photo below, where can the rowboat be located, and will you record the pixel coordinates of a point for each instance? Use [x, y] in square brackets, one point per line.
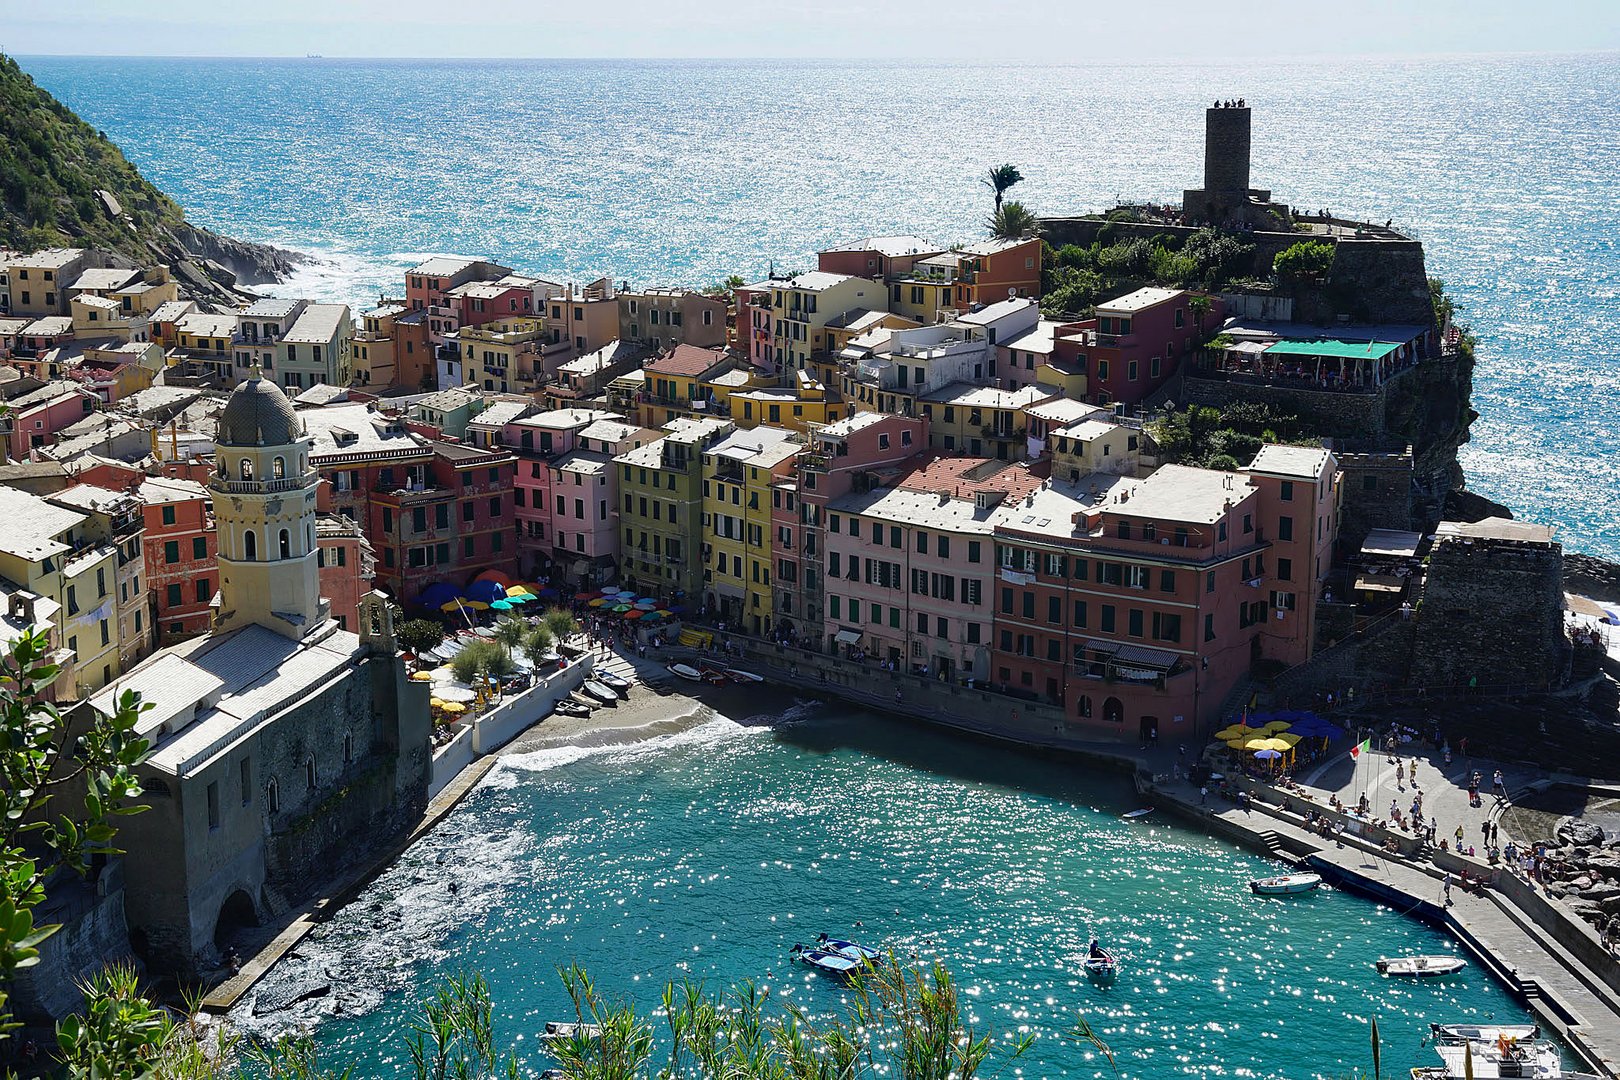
[738, 675]
[686, 671]
[1286, 884]
[1137, 814]
[614, 682]
[1102, 967]
[828, 963]
[570, 707]
[863, 953]
[603, 693]
[1420, 967]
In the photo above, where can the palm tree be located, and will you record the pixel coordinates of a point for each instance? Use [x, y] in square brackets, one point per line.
[510, 633]
[1199, 305]
[1013, 221]
[1000, 179]
[560, 622]
[537, 644]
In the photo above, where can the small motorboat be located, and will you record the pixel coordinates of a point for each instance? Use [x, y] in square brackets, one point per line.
[601, 692]
[828, 963]
[686, 671]
[612, 681]
[713, 673]
[1420, 967]
[1461, 1033]
[556, 1031]
[738, 675]
[864, 953]
[1136, 815]
[570, 707]
[1286, 884]
[1101, 965]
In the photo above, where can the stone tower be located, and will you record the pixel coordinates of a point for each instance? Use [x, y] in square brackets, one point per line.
[263, 490]
[1226, 152]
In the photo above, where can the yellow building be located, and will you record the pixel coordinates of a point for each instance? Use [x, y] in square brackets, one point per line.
[802, 306]
[51, 552]
[926, 292]
[736, 521]
[1095, 446]
[796, 407]
[853, 324]
[502, 356]
[680, 384]
[376, 363]
[980, 421]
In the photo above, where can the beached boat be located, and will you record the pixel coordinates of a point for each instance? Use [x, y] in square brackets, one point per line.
[1420, 967]
[615, 682]
[557, 1030]
[864, 953]
[686, 671]
[1102, 967]
[713, 673]
[570, 707]
[1458, 1033]
[828, 963]
[738, 675]
[600, 691]
[1286, 884]
[1499, 1057]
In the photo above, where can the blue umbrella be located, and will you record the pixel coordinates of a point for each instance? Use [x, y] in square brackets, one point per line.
[487, 591]
[438, 594]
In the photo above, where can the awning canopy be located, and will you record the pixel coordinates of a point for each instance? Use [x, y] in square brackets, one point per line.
[1116, 652]
[1380, 583]
[1350, 350]
[1391, 542]
[847, 637]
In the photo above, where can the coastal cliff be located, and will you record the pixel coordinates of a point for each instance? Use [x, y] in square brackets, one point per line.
[65, 184]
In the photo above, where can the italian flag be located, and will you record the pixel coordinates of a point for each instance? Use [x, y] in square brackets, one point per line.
[1360, 748]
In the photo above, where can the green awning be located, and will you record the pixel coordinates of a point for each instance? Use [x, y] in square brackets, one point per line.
[1354, 350]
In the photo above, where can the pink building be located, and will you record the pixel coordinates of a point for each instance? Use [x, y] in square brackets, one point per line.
[878, 257]
[566, 494]
[1137, 341]
[754, 327]
[38, 415]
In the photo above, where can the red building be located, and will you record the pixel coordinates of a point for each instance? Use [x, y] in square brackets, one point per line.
[449, 521]
[1136, 342]
[1137, 605]
[877, 257]
[179, 548]
[344, 562]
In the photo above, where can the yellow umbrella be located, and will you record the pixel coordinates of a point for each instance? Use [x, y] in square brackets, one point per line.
[519, 590]
[437, 703]
[452, 605]
[1291, 740]
[1236, 731]
[1266, 744]
[1276, 725]
[421, 676]
[453, 707]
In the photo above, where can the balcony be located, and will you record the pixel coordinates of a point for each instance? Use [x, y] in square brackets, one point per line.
[1005, 434]
[264, 487]
[411, 494]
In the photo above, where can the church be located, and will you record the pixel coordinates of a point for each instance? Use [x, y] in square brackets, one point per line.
[283, 744]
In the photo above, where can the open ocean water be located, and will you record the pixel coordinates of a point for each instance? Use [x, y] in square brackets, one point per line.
[1507, 167]
[709, 854]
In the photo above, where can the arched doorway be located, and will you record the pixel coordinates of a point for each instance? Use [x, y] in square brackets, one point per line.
[235, 915]
[1114, 711]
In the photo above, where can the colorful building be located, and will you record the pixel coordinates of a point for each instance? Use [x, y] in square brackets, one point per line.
[661, 534]
[738, 471]
[578, 323]
[878, 257]
[317, 348]
[1136, 342]
[114, 519]
[376, 358]
[180, 548]
[981, 420]
[665, 318]
[802, 306]
[675, 381]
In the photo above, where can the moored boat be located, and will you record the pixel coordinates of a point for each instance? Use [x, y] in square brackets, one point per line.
[1420, 967]
[570, 707]
[863, 953]
[1137, 815]
[1101, 965]
[1457, 1033]
[557, 1030]
[686, 671]
[1286, 884]
[600, 691]
[738, 675]
[828, 963]
[615, 682]
[1499, 1057]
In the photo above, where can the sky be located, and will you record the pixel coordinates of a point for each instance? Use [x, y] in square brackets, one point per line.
[1037, 30]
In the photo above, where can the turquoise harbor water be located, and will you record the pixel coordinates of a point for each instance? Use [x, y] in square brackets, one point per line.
[1507, 167]
[710, 853]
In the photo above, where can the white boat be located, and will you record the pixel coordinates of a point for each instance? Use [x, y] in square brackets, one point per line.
[569, 707]
[686, 671]
[600, 691]
[1536, 1059]
[863, 953]
[738, 675]
[615, 682]
[1286, 884]
[557, 1030]
[1457, 1033]
[828, 963]
[1136, 814]
[1420, 967]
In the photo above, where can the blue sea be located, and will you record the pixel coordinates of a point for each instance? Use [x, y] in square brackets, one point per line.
[707, 855]
[1507, 167]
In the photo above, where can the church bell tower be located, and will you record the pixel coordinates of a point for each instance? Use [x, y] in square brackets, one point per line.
[263, 490]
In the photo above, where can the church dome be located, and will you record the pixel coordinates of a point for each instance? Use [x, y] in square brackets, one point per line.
[258, 414]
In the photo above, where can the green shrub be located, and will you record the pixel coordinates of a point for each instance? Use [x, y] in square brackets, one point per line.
[1308, 259]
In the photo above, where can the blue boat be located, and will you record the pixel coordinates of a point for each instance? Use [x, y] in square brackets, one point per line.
[864, 954]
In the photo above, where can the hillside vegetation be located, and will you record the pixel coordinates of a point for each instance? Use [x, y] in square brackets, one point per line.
[51, 165]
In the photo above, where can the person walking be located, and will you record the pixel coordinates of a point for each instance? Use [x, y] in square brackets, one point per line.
[1459, 835]
[1203, 795]
[1445, 888]
[1499, 786]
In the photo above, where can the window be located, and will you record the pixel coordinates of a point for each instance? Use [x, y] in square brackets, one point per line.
[204, 591]
[1108, 618]
[309, 772]
[1209, 628]
[1006, 601]
[1209, 582]
[245, 771]
[272, 795]
[1285, 528]
[1166, 626]
[1167, 581]
[1248, 524]
[213, 805]
[168, 515]
[171, 551]
[1282, 601]
[974, 550]
[348, 747]
[199, 547]
[1080, 613]
[1285, 569]
[1287, 491]
[1029, 604]
[285, 544]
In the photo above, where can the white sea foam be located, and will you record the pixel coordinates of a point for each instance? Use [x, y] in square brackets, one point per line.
[713, 732]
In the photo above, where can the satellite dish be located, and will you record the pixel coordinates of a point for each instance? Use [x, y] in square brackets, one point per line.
[1012, 290]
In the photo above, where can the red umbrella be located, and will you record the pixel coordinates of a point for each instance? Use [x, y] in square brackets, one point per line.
[634, 614]
[585, 596]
